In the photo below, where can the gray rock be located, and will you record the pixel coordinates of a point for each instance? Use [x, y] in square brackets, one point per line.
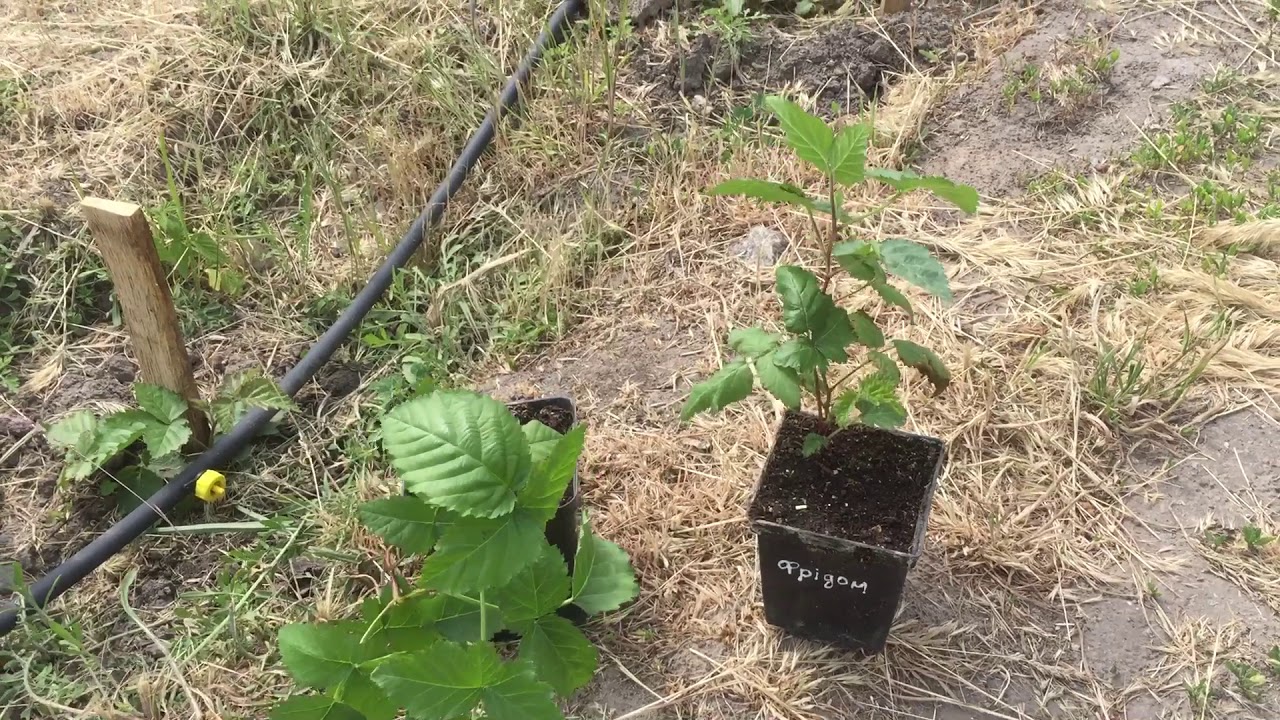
[761, 247]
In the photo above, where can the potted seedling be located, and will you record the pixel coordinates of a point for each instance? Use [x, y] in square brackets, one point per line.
[841, 506]
[481, 488]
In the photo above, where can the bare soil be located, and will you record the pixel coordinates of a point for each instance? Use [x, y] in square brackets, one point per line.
[1160, 63]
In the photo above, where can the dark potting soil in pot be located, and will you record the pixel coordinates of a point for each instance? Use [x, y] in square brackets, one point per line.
[553, 416]
[866, 485]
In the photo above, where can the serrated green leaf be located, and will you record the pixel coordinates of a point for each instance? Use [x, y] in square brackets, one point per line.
[602, 576]
[519, 695]
[781, 382]
[458, 619]
[763, 190]
[866, 330]
[729, 385]
[116, 433]
[849, 154]
[893, 296]
[160, 403]
[322, 656]
[915, 264]
[477, 553]
[962, 196]
[860, 260]
[924, 360]
[808, 136]
[164, 439]
[885, 366]
[842, 410]
[537, 590]
[550, 479]
[408, 625]
[541, 440]
[877, 402]
[753, 342]
[407, 522]
[559, 653]
[804, 305]
[243, 392]
[362, 693]
[314, 707]
[442, 682]
[74, 432]
[460, 451]
[813, 444]
[834, 333]
[799, 355]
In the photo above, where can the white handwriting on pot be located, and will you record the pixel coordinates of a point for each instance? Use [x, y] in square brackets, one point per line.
[802, 574]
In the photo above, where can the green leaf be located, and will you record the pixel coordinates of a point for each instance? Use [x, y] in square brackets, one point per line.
[408, 625]
[362, 693]
[878, 403]
[866, 331]
[1273, 659]
[602, 576]
[550, 479]
[559, 653]
[781, 382]
[461, 451]
[731, 384]
[924, 360]
[541, 440]
[799, 355]
[807, 134]
[448, 681]
[243, 392]
[860, 260]
[804, 305]
[849, 154]
[753, 342]
[825, 206]
[962, 196]
[160, 403]
[458, 619]
[323, 655]
[893, 296]
[813, 444]
[915, 264]
[475, 553]
[763, 190]
[314, 707]
[537, 590]
[519, 695]
[74, 432]
[404, 521]
[442, 682]
[834, 333]
[116, 433]
[842, 410]
[885, 366]
[163, 439]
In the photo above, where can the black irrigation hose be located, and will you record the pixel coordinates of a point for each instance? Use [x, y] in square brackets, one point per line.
[133, 525]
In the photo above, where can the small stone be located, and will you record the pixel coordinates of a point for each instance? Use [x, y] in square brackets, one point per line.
[1161, 81]
[761, 247]
[15, 425]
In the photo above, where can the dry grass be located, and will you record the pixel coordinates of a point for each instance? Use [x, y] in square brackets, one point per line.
[612, 232]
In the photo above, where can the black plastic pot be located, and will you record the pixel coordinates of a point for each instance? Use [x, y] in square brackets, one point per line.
[825, 585]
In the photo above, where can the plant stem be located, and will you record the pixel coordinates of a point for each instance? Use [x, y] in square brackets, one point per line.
[835, 231]
[823, 410]
[848, 375]
[484, 635]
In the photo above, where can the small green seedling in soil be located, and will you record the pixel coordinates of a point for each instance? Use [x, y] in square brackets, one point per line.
[1273, 660]
[159, 424]
[481, 489]
[1255, 539]
[1249, 679]
[1216, 539]
[1200, 694]
[818, 332]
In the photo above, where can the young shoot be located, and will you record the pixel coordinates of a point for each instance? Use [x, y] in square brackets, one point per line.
[819, 333]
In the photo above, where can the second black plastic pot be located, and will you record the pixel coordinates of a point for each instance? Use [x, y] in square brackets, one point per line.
[826, 586]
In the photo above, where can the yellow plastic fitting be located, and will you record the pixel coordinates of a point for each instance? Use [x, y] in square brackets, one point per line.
[211, 486]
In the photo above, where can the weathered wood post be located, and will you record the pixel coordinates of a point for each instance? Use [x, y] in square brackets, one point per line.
[123, 237]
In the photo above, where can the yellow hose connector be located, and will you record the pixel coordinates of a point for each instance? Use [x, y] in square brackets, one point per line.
[211, 486]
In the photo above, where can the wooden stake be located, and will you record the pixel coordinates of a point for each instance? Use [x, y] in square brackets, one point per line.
[123, 236]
